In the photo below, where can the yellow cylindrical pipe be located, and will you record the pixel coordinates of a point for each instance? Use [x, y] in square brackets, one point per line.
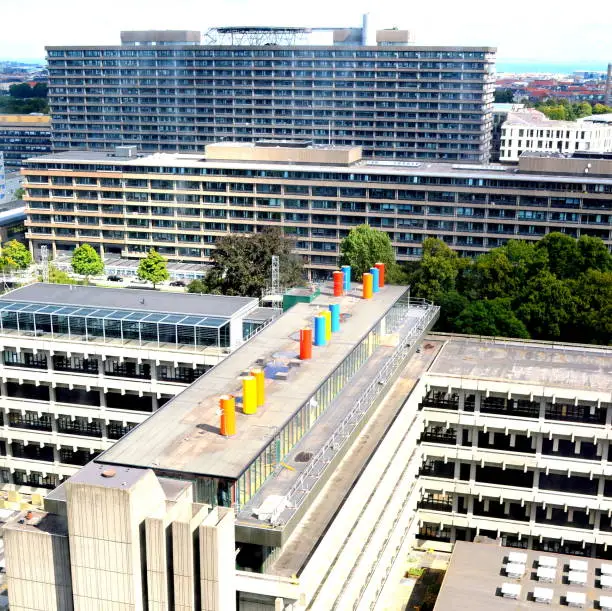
[249, 395]
[368, 285]
[228, 415]
[260, 380]
[328, 325]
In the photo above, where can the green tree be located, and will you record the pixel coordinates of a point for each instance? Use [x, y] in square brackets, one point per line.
[583, 109]
[490, 317]
[593, 254]
[437, 272]
[57, 276]
[503, 96]
[545, 305]
[592, 294]
[451, 305]
[153, 268]
[196, 286]
[563, 254]
[86, 261]
[15, 254]
[600, 109]
[365, 246]
[19, 193]
[241, 265]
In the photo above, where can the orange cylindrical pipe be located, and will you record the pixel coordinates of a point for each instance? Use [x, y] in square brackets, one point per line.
[305, 344]
[260, 384]
[368, 285]
[338, 283]
[228, 415]
[381, 274]
[249, 395]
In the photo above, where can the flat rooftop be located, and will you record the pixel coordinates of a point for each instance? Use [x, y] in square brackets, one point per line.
[131, 299]
[183, 436]
[365, 166]
[475, 575]
[559, 365]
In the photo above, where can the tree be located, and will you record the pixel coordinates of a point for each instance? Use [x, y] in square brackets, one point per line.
[545, 306]
[491, 317]
[153, 268]
[437, 272]
[57, 276]
[503, 96]
[365, 246]
[451, 305]
[19, 193]
[594, 254]
[563, 254]
[196, 286]
[241, 265]
[15, 254]
[86, 261]
[592, 293]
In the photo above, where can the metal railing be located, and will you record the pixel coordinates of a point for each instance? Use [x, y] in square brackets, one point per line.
[317, 465]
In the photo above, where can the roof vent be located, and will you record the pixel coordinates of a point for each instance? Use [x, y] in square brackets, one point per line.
[126, 151]
[108, 473]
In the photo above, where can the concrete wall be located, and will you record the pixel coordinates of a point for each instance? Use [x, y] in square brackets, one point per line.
[38, 570]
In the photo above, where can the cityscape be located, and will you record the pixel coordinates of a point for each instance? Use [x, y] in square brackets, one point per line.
[305, 312]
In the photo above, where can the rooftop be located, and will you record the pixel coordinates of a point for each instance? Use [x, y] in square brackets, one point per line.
[365, 166]
[475, 575]
[183, 436]
[130, 299]
[28, 120]
[558, 365]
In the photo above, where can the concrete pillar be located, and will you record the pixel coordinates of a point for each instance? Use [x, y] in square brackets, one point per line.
[542, 409]
[461, 393]
[477, 401]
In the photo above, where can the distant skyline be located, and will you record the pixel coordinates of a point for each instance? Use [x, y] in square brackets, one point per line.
[523, 31]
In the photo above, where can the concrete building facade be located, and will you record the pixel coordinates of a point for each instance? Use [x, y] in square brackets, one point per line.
[180, 203]
[164, 91]
[531, 130]
[82, 366]
[23, 136]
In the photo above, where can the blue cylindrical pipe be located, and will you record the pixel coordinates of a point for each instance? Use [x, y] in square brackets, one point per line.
[319, 331]
[375, 279]
[334, 308]
[346, 270]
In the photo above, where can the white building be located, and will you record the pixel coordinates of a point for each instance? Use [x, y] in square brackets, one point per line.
[531, 130]
[357, 455]
[81, 366]
[2, 178]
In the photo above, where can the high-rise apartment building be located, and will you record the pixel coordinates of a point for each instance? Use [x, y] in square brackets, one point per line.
[23, 136]
[81, 366]
[180, 203]
[164, 91]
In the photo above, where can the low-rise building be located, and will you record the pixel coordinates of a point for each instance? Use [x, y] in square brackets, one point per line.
[530, 130]
[81, 366]
[24, 136]
[123, 203]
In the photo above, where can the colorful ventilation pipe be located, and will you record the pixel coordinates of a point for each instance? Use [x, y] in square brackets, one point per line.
[227, 403]
[367, 286]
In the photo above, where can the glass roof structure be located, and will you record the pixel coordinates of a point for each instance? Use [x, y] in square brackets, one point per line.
[104, 324]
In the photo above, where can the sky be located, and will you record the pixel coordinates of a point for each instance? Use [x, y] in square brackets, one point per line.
[529, 31]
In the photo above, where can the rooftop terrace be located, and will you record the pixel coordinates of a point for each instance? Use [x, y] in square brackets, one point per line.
[184, 436]
[538, 364]
[129, 299]
[476, 573]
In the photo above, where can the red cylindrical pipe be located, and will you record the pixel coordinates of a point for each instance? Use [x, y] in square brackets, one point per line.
[381, 274]
[338, 283]
[305, 344]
